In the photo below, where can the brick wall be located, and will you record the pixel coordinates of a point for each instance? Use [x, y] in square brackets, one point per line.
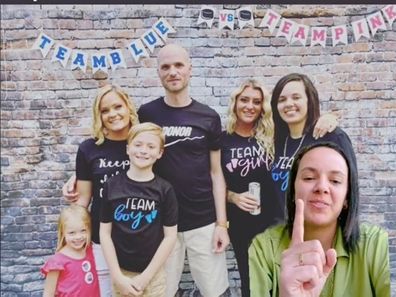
[45, 108]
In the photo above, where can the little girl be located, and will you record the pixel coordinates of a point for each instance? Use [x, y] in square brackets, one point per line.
[72, 271]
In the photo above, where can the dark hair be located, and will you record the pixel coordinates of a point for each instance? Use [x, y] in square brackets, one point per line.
[313, 113]
[349, 217]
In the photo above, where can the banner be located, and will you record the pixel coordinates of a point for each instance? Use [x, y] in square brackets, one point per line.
[156, 36]
[206, 15]
[295, 32]
[360, 29]
[226, 19]
[44, 44]
[245, 17]
[79, 60]
[270, 20]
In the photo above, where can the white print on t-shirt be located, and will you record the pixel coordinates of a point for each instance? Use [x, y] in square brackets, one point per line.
[179, 131]
[183, 139]
[104, 163]
[248, 158]
[134, 210]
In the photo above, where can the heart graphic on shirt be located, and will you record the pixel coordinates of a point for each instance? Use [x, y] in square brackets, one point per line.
[233, 164]
[151, 216]
[229, 167]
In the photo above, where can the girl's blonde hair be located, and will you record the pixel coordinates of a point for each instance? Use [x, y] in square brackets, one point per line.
[147, 127]
[264, 126]
[97, 127]
[73, 212]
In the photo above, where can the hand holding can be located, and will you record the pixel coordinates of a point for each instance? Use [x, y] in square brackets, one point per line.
[254, 190]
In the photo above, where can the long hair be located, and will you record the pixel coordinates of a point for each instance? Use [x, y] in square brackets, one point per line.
[97, 126]
[72, 213]
[313, 113]
[264, 126]
[348, 219]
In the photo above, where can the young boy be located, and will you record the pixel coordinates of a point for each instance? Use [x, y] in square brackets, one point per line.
[138, 226]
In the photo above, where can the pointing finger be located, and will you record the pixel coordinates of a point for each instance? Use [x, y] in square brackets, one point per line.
[298, 224]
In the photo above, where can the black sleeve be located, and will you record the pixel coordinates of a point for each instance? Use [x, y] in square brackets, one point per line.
[142, 114]
[106, 215]
[215, 134]
[170, 213]
[83, 172]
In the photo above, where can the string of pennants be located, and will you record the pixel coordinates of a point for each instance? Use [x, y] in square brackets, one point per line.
[158, 34]
[295, 32]
[152, 38]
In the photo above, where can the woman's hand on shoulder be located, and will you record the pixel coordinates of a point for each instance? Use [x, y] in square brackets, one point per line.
[326, 124]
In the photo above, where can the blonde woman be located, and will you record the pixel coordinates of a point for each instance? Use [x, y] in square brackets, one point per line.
[246, 156]
[99, 158]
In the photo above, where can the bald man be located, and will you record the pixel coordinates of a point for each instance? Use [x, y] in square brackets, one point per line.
[191, 163]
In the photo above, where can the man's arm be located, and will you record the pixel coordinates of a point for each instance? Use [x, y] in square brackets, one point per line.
[220, 236]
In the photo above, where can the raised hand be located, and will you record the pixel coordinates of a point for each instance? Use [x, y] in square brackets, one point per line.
[305, 266]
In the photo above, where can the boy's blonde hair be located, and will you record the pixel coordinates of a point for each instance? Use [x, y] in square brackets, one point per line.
[147, 127]
[73, 212]
[97, 126]
[264, 126]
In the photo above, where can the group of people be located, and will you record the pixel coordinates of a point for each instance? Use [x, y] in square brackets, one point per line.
[177, 185]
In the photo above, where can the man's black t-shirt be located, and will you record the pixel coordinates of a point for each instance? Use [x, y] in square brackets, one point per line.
[138, 211]
[191, 133]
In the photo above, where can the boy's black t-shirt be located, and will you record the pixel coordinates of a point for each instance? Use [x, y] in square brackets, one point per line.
[138, 211]
[191, 133]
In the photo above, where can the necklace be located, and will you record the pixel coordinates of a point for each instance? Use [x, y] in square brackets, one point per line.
[299, 146]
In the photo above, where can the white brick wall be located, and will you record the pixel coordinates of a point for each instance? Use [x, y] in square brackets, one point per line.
[46, 109]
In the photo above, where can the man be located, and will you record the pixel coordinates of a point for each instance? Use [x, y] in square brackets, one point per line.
[191, 163]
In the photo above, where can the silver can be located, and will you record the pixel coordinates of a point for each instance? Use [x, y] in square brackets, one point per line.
[254, 190]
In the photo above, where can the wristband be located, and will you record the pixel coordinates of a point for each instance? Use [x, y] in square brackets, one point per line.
[222, 224]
